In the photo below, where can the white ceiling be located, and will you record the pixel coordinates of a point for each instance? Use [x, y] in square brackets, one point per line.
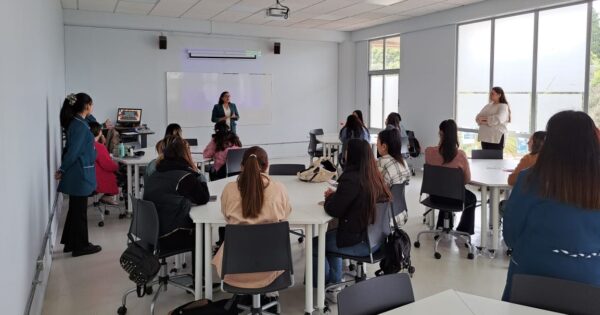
[341, 15]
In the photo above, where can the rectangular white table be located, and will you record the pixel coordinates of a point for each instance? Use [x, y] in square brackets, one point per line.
[304, 198]
[491, 174]
[451, 302]
[332, 140]
[133, 180]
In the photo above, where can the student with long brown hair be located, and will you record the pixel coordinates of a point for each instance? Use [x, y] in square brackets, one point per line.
[359, 189]
[174, 187]
[255, 198]
[535, 143]
[552, 218]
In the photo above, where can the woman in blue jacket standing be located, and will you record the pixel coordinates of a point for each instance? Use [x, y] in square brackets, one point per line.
[226, 111]
[552, 218]
[77, 174]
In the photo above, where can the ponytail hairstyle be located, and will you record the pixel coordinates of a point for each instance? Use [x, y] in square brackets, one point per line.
[449, 144]
[503, 100]
[360, 156]
[391, 138]
[177, 149]
[250, 181]
[73, 104]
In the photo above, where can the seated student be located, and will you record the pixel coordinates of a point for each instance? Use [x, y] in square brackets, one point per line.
[353, 129]
[392, 165]
[394, 121]
[358, 113]
[359, 188]
[173, 130]
[174, 187]
[106, 179]
[151, 167]
[217, 148]
[254, 198]
[535, 143]
[448, 154]
[552, 218]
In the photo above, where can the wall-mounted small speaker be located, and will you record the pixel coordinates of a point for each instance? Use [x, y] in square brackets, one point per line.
[277, 48]
[162, 42]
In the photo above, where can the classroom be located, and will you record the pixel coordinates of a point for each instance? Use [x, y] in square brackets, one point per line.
[300, 156]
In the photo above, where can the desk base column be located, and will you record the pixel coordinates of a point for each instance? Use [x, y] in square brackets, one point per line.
[129, 190]
[308, 271]
[484, 219]
[207, 261]
[321, 268]
[198, 263]
[495, 203]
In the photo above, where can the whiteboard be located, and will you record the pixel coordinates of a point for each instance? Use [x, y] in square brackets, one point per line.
[192, 95]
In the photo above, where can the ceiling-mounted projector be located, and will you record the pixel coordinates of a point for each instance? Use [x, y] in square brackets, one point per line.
[278, 11]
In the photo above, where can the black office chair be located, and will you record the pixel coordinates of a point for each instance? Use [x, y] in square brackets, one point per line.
[290, 170]
[487, 154]
[313, 151]
[253, 248]
[446, 183]
[145, 229]
[376, 295]
[398, 205]
[233, 161]
[192, 142]
[376, 234]
[557, 295]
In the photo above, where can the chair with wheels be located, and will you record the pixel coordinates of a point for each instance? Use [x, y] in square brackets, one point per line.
[376, 295]
[313, 151]
[233, 161]
[447, 184]
[557, 295]
[289, 170]
[258, 248]
[144, 229]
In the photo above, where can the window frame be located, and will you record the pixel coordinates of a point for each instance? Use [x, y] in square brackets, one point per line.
[382, 73]
[534, 98]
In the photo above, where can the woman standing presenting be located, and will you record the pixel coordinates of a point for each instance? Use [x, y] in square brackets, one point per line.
[77, 173]
[492, 121]
[225, 111]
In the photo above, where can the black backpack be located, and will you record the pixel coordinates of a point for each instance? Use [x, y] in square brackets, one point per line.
[141, 265]
[396, 252]
[414, 147]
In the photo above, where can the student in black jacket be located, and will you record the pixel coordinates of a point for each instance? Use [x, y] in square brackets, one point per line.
[359, 188]
[174, 187]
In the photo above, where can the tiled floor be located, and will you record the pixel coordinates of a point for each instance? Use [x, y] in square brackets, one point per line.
[94, 284]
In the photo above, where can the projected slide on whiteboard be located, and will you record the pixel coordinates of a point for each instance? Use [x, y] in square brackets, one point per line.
[191, 97]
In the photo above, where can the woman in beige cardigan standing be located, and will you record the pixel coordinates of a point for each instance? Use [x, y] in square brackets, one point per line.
[492, 121]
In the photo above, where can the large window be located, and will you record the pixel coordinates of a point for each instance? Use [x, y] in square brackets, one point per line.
[384, 66]
[539, 59]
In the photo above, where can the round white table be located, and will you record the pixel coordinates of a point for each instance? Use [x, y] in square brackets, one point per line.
[332, 140]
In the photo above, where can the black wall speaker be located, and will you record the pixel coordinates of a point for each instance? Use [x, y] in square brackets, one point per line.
[162, 42]
[277, 48]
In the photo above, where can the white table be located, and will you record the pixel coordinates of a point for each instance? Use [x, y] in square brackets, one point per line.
[304, 198]
[451, 302]
[332, 140]
[491, 174]
[133, 180]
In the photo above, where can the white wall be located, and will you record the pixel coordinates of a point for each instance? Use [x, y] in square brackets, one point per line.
[31, 92]
[125, 68]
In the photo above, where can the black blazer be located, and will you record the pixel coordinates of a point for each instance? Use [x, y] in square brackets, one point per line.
[349, 205]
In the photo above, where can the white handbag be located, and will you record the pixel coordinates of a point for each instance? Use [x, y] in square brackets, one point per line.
[320, 171]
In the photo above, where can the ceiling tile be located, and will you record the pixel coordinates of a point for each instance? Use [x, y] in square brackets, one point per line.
[69, 4]
[230, 16]
[326, 6]
[463, 2]
[357, 9]
[431, 8]
[310, 23]
[206, 9]
[384, 2]
[296, 5]
[128, 7]
[98, 5]
[257, 18]
[371, 15]
[402, 7]
[172, 8]
[292, 20]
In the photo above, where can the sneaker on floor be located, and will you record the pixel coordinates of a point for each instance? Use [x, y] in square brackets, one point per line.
[88, 250]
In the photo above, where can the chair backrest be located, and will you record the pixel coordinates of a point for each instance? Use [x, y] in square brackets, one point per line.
[312, 143]
[398, 198]
[556, 295]
[233, 161]
[144, 223]
[380, 229]
[192, 142]
[252, 248]
[487, 154]
[404, 145]
[444, 182]
[286, 169]
[376, 295]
